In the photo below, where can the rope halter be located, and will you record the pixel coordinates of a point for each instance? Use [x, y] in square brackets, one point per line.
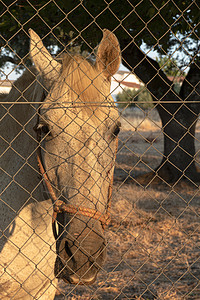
[60, 206]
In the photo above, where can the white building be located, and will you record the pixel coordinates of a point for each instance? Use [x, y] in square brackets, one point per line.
[123, 79]
[5, 86]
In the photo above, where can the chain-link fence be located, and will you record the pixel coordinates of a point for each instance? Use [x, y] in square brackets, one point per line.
[60, 123]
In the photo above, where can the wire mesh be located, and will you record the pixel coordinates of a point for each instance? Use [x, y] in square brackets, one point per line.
[152, 240]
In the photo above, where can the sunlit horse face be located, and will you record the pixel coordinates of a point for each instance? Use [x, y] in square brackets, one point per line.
[78, 125]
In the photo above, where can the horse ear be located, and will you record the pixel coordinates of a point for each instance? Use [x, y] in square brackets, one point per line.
[108, 54]
[42, 59]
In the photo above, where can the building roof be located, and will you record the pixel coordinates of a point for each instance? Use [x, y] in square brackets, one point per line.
[178, 79]
[129, 84]
[6, 83]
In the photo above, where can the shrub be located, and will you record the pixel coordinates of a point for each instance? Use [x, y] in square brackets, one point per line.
[131, 98]
[127, 98]
[144, 99]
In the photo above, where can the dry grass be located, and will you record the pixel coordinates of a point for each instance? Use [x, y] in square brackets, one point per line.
[153, 239]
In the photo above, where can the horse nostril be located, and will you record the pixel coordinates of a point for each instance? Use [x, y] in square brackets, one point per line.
[67, 249]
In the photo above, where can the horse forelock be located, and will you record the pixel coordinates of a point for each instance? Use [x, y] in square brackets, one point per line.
[82, 79]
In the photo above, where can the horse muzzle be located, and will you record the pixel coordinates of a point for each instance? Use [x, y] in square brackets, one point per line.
[81, 252]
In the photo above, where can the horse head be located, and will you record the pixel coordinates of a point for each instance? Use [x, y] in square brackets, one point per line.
[77, 132]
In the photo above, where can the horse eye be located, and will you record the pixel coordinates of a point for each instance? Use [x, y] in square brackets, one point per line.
[45, 129]
[116, 130]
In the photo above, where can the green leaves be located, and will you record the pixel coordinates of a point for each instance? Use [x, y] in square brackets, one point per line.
[73, 23]
[131, 98]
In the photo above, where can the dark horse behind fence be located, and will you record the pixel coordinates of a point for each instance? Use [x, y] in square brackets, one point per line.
[57, 162]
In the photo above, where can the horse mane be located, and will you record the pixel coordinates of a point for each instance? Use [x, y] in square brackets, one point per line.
[82, 78]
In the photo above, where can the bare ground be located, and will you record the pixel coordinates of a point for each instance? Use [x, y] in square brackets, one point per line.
[153, 239]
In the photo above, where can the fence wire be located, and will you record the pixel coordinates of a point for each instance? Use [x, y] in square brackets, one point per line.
[59, 130]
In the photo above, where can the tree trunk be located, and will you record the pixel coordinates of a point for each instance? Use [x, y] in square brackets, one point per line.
[178, 117]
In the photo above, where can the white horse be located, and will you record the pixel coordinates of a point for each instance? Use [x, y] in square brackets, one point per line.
[72, 136]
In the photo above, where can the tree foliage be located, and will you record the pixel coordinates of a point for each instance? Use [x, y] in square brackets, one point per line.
[170, 66]
[162, 25]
